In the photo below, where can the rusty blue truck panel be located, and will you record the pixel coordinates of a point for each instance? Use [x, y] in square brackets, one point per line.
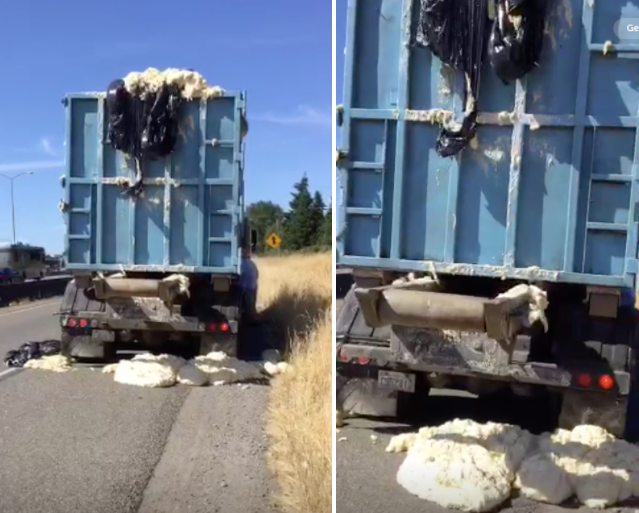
[548, 189]
[189, 217]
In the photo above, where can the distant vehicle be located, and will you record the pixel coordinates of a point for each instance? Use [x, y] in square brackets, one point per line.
[52, 265]
[8, 276]
[21, 262]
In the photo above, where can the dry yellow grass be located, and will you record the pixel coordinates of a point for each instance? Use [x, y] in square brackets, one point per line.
[293, 291]
[296, 294]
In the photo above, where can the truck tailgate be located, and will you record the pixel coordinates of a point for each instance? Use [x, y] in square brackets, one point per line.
[188, 217]
[547, 190]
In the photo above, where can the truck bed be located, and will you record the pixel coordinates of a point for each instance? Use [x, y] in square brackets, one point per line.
[546, 192]
[189, 216]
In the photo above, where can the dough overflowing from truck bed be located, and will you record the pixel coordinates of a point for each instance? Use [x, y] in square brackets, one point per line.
[468, 466]
[191, 83]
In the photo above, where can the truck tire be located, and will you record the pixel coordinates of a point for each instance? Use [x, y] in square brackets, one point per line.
[414, 407]
[598, 409]
[214, 342]
[361, 396]
[357, 393]
[84, 348]
[247, 343]
[77, 346]
[225, 342]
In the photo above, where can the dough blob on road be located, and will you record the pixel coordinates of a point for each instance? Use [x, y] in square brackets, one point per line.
[165, 370]
[216, 368]
[474, 467]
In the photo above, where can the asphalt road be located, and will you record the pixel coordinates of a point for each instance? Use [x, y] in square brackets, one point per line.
[366, 474]
[77, 441]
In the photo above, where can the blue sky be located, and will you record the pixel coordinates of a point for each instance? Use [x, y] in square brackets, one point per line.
[278, 51]
[340, 44]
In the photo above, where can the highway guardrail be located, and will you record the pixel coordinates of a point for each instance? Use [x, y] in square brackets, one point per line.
[33, 290]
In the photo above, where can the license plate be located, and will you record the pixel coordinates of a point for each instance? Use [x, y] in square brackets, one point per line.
[396, 381]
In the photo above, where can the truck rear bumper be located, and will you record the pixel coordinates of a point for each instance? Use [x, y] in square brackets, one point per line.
[104, 321]
[532, 373]
[426, 307]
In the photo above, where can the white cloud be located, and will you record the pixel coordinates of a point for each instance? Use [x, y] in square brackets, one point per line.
[36, 165]
[304, 115]
[47, 147]
[43, 147]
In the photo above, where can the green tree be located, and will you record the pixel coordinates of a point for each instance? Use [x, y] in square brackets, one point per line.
[326, 231]
[264, 217]
[318, 207]
[300, 228]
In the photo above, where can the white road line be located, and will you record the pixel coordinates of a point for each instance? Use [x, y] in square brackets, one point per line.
[28, 308]
[9, 372]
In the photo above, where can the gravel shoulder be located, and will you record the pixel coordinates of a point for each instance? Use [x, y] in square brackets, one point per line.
[214, 460]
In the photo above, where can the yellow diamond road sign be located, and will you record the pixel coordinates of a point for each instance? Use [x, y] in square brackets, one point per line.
[273, 240]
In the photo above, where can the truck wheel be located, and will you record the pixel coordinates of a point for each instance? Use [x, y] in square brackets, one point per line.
[361, 396]
[84, 348]
[218, 342]
[413, 407]
[603, 410]
[358, 393]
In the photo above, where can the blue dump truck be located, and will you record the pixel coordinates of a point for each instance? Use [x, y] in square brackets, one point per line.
[491, 224]
[157, 239]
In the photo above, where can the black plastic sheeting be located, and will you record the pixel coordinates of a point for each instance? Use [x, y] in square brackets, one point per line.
[143, 127]
[31, 351]
[456, 31]
[450, 142]
[517, 37]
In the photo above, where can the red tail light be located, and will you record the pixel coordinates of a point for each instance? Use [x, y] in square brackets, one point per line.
[83, 323]
[211, 326]
[584, 380]
[71, 323]
[606, 382]
[362, 360]
[342, 356]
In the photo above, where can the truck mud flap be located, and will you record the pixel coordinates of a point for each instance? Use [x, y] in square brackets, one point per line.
[609, 412]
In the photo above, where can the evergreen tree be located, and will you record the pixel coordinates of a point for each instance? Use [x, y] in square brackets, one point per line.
[326, 232]
[318, 207]
[300, 225]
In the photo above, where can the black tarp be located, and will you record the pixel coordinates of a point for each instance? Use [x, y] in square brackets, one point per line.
[517, 37]
[31, 351]
[456, 31]
[143, 126]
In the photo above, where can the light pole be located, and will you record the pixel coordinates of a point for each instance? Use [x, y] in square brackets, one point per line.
[13, 205]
